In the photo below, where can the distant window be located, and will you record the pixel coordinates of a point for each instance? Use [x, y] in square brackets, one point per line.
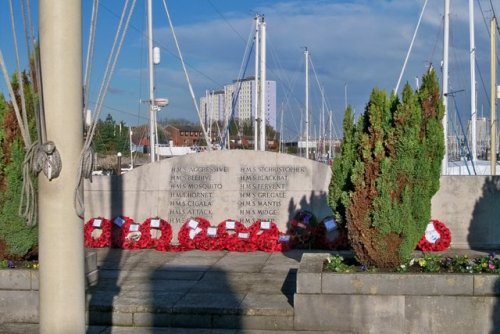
[182, 133]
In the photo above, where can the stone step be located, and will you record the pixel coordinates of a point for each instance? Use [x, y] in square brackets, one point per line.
[187, 297]
[191, 310]
[18, 328]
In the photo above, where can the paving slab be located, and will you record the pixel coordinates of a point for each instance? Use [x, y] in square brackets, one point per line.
[209, 303]
[159, 273]
[266, 304]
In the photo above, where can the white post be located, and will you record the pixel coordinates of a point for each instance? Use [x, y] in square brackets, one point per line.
[131, 154]
[306, 56]
[473, 107]
[60, 230]
[444, 164]
[330, 135]
[263, 86]
[152, 112]
[345, 95]
[256, 97]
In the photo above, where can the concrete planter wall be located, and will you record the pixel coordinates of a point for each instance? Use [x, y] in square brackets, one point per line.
[394, 303]
[19, 298]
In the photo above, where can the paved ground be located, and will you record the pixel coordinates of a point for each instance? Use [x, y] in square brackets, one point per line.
[237, 292]
[192, 292]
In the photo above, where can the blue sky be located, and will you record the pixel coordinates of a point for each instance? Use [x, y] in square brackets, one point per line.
[358, 44]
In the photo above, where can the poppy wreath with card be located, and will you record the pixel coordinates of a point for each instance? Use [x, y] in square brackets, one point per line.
[193, 230]
[236, 236]
[301, 229]
[97, 233]
[437, 237]
[330, 235]
[157, 233]
[212, 240]
[132, 235]
[265, 234]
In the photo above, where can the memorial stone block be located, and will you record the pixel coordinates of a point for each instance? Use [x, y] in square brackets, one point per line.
[238, 185]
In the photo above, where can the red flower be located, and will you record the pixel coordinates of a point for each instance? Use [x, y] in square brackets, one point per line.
[193, 230]
[129, 234]
[101, 240]
[265, 235]
[211, 241]
[163, 242]
[236, 236]
[437, 237]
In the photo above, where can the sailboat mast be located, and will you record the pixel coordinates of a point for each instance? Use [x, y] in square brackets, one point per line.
[256, 98]
[473, 107]
[262, 134]
[152, 121]
[493, 93]
[306, 59]
[444, 164]
[330, 135]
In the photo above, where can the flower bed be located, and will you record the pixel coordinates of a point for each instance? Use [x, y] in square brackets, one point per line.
[392, 302]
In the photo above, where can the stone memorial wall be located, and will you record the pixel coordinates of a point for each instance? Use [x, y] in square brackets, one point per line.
[240, 185]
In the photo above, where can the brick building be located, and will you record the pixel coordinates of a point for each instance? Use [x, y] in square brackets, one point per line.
[185, 136]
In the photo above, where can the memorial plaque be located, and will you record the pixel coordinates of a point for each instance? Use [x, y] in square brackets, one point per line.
[242, 185]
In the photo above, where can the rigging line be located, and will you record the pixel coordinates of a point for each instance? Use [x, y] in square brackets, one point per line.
[85, 164]
[112, 65]
[241, 74]
[164, 48]
[411, 47]
[142, 70]
[458, 65]
[32, 78]
[20, 78]
[233, 105]
[461, 148]
[38, 73]
[438, 34]
[112, 54]
[243, 69]
[90, 54]
[207, 139]
[463, 132]
[227, 21]
[494, 15]
[287, 88]
[13, 99]
[487, 25]
[483, 84]
[317, 80]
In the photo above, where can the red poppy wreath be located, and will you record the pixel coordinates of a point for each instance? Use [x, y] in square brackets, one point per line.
[157, 234]
[265, 234]
[193, 230]
[437, 237]
[97, 233]
[236, 236]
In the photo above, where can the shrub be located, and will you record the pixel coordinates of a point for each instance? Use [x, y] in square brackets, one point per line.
[14, 231]
[388, 171]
